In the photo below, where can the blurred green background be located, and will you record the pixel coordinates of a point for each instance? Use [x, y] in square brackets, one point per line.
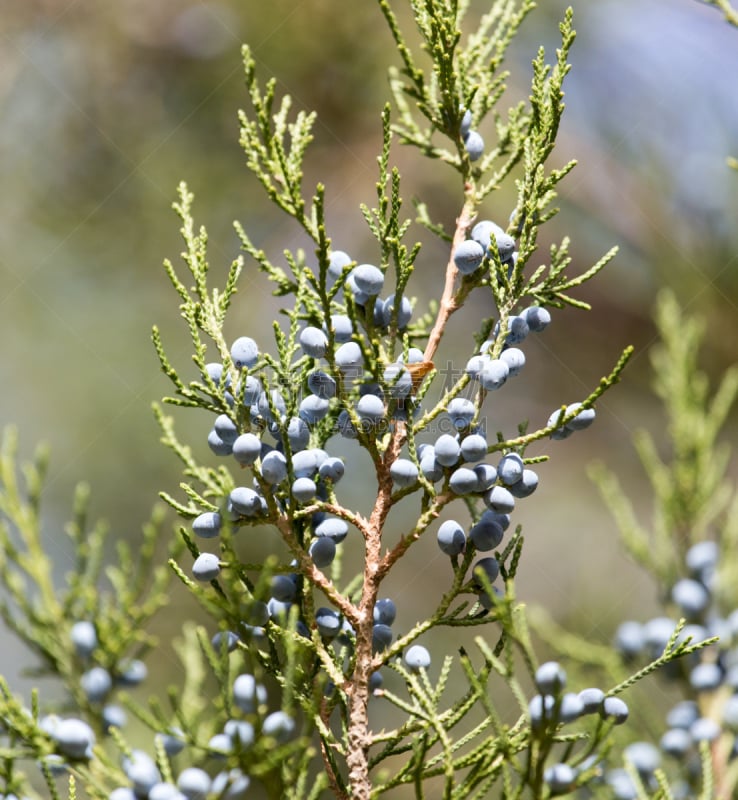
[106, 106]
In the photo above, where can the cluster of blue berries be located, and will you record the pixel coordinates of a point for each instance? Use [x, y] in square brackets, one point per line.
[192, 783]
[238, 734]
[553, 707]
[73, 738]
[473, 142]
[710, 675]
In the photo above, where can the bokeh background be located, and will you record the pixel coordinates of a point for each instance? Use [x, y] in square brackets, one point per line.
[105, 107]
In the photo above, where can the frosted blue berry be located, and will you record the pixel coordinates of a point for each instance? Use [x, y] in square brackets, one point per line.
[486, 476]
[206, 567]
[704, 730]
[298, 434]
[248, 694]
[278, 611]
[431, 469]
[615, 709]
[465, 124]
[517, 330]
[621, 784]
[313, 341]
[404, 473]
[322, 550]
[194, 783]
[304, 490]
[141, 771]
[84, 638]
[494, 374]
[218, 446]
[121, 793]
[283, 588]
[240, 732]
[369, 279]
[220, 745]
[554, 419]
[349, 358]
[560, 778]
[657, 632]
[499, 499]
[474, 367]
[172, 741]
[463, 481]
[245, 502]
[370, 409]
[447, 450]
[683, 715]
[244, 352]
[644, 756]
[676, 742]
[328, 622]
[541, 709]
[73, 737]
[483, 231]
[337, 263]
[313, 409]
[305, 463]
[251, 390]
[473, 447]
[591, 699]
[527, 484]
[451, 538]
[360, 298]
[404, 313]
[538, 318]
[550, 678]
[515, 360]
[571, 707]
[274, 467]
[321, 384]
[231, 639]
[468, 256]
[488, 567]
[582, 420]
[630, 638]
[474, 145]
[417, 658]
[246, 449]
[332, 528]
[702, 557]
[487, 533]
[398, 380]
[691, 597]
[114, 716]
[225, 428]
[385, 611]
[461, 411]
[706, 677]
[278, 725]
[164, 791]
[96, 683]
[231, 785]
[132, 673]
[207, 525]
[381, 637]
[332, 469]
[273, 400]
[510, 468]
[343, 328]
